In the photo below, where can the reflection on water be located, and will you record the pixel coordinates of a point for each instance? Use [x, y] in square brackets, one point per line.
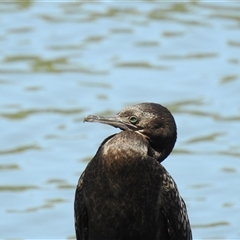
[26, 113]
[19, 149]
[50, 203]
[62, 61]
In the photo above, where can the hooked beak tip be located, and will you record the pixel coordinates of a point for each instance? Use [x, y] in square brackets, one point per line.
[90, 118]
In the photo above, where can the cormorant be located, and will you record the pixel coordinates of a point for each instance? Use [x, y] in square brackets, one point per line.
[124, 192]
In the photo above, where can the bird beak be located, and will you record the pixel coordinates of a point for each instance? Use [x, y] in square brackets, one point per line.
[115, 121]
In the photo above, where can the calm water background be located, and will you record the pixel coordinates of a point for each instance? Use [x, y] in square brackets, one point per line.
[60, 61]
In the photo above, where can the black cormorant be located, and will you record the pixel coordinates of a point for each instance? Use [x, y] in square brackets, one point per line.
[124, 192]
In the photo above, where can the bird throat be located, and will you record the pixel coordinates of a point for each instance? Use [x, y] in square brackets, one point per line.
[124, 148]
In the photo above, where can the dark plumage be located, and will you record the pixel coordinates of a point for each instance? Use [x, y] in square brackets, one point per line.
[124, 192]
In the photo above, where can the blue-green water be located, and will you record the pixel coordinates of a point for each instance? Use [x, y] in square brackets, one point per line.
[60, 61]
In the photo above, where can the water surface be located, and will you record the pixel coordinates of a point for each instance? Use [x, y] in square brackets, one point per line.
[61, 61]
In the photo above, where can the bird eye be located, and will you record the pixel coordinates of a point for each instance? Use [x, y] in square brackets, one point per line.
[133, 119]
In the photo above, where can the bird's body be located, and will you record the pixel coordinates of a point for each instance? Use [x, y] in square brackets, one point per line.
[125, 193]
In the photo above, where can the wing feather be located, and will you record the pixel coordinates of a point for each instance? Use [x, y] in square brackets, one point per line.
[174, 209]
[80, 213]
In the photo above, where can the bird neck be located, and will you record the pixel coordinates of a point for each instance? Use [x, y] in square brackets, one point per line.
[123, 149]
[161, 148]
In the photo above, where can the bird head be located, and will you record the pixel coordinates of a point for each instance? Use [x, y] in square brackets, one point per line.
[151, 120]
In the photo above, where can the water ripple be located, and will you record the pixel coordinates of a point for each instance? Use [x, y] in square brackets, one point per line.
[15, 188]
[210, 225]
[20, 149]
[26, 113]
